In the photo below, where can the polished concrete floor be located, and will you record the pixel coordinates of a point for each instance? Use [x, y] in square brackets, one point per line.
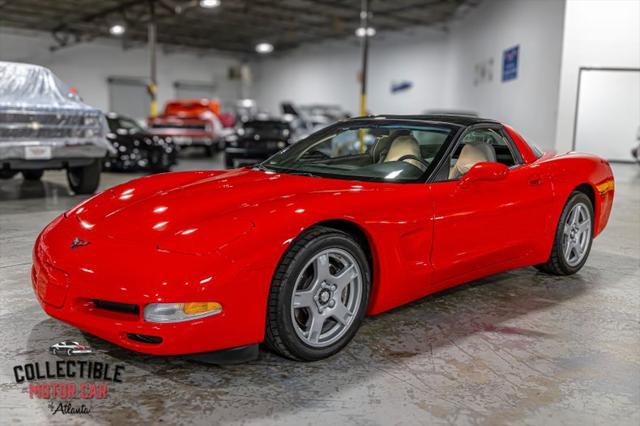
[515, 348]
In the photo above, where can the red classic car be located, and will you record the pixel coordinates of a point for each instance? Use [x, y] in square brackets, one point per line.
[363, 216]
[190, 122]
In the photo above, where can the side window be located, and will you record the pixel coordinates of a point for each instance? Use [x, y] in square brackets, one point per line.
[477, 146]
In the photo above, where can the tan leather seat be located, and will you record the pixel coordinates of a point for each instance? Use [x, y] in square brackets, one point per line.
[403, 146]
[471, 154]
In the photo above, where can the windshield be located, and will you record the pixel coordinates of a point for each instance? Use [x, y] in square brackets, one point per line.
[121, 123]
[379, 152]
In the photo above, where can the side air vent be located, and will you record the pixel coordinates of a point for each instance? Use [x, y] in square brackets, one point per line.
[124, 308]
[144, 338]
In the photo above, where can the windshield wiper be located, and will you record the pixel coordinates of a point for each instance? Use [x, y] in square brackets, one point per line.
[262, 168]
[293, 171]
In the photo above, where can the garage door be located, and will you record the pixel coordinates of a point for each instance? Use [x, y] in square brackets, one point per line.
[608, 112]
[129, 96]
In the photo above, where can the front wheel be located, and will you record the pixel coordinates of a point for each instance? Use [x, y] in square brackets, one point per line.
[573, 238]
[85, 179]
[318, 296]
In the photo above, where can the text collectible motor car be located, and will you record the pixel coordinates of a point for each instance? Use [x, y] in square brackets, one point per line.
[295, 251]
[45, 125]
[136, 148]
[256, 140]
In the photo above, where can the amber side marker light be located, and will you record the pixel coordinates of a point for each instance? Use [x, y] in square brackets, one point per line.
[605, 186]
[179, 312]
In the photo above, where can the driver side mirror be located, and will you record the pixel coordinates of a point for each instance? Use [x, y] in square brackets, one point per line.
[485, 171]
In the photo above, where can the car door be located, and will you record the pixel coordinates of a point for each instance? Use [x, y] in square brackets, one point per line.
[487, 222]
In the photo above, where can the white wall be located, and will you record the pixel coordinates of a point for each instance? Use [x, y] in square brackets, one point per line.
[328, 73]
[598, 33]
[441, 67]
[529, 102]
[87, 66]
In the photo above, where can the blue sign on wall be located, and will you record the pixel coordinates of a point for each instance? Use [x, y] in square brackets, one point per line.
[510, 63]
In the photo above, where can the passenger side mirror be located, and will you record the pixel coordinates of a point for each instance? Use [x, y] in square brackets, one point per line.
[485, 171]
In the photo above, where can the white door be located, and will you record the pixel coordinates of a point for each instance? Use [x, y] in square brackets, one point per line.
[608, 121]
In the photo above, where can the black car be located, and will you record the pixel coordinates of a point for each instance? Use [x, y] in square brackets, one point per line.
[256, 140]
[137, 149]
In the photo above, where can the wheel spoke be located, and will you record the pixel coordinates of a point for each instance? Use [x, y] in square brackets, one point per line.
[315, 327]
[584, 226]
[342, 280]
[304, 299]
[567, 250]
[322, 267]
[575, 216]
[341, 313]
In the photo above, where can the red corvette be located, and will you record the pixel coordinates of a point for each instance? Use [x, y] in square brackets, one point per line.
[361, 217]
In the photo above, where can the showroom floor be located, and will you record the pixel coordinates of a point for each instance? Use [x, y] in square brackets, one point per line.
[519, 347]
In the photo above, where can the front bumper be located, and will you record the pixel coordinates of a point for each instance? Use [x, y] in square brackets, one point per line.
[68, 288]
[59, 150]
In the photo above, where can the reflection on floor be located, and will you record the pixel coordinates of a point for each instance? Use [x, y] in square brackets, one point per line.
[518, 347]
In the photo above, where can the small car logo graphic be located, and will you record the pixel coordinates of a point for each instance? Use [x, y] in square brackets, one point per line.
[70, 348]
[77, 242]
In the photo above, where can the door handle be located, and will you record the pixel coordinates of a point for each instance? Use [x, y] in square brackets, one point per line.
[536, 180]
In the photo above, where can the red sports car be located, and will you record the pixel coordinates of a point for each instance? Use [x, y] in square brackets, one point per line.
[360, 217]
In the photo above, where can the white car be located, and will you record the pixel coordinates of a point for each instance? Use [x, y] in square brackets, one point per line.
[70, 348]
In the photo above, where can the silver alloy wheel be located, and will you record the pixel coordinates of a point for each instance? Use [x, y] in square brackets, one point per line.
[326, 297]
[576, 234]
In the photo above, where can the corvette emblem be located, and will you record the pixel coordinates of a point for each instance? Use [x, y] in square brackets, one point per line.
[77, 242]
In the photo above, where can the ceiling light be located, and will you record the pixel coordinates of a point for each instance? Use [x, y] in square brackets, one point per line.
[369, 32]
[209, 4]
[117, 29]
[264, 47]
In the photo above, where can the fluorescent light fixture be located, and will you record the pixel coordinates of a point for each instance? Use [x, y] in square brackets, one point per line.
[264, 47]
[362, 31]
[209, 4]
[117, 29]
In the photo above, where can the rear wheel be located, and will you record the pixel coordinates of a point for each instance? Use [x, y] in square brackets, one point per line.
[85, 179]
[318, 296]
[573, 238]
[32, 174]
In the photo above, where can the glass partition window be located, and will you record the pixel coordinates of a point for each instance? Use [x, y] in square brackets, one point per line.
[387, 153]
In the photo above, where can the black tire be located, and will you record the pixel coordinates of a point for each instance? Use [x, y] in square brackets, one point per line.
[84, 180]
[209, 150]
[280, 334]
[32, 174]
[557, 264]
[7, 174]
[69, 352]
[159, 162]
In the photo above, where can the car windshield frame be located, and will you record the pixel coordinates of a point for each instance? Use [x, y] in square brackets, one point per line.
[453, 129]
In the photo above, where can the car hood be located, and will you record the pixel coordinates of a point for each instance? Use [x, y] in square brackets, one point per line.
[149, 210]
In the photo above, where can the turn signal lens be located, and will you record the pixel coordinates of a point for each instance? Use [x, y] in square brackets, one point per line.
[179, 312]
[197, 308]
[605, 186]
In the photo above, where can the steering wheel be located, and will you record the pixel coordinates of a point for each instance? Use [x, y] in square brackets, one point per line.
[413, 157]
